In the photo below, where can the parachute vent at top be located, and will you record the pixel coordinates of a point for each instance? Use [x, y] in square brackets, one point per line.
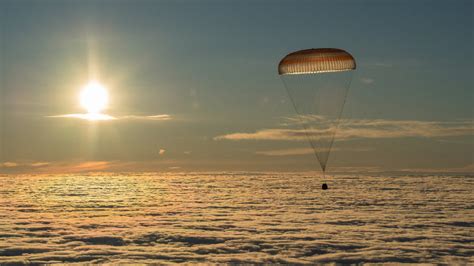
[318, 60]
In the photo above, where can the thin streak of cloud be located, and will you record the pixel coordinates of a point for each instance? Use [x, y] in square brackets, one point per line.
[362, 129]
[40, 164]
[302, 119]
[78, 167]
[367, 81]
[105, 117]
[9, 164]
[91, 166]
[288, 152]
[405, 62]
[357, 169]
[465, 169]
[265, 134]
[58, 167]
[68, 167]
[23, 164]
[90, 117]
[304, 151]
[162, 117]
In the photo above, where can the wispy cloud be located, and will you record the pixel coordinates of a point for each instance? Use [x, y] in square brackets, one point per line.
[40, 164]
[405, 62]
[58, 167]
[162, 117]
[381, 128]
[90, 166]
[367, 81]
[105, 117]
[90, 117]
[9, 164]
[78, 167]
[265, 134]
[287, 152]
[357, 169]
[360, 129]
[302, 119]
[23, 164]
[465, 169]
[303, 151]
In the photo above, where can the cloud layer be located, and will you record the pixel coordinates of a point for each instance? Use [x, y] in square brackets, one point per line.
[235, 218]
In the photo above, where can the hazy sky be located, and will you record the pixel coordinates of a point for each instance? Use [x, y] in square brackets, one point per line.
[185, 77]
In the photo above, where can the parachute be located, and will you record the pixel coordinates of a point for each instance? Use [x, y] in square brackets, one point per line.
[317, 82]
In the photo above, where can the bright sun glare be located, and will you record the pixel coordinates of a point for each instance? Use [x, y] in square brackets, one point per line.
[94, 97]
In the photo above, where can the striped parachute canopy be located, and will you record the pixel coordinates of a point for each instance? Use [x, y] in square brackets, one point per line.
[318, 60]
[317, 82]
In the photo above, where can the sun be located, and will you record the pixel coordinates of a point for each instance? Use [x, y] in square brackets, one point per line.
[94, 97]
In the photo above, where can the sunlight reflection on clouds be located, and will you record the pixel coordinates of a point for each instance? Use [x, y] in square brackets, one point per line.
[234, 217]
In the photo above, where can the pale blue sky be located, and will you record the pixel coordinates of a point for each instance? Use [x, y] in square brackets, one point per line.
[211, 66]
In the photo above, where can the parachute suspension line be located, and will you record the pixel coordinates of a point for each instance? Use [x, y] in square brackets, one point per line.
[345, 95]
[306, 129]
[315, 149]
[301, 81]
[338, 121]
[297, 83]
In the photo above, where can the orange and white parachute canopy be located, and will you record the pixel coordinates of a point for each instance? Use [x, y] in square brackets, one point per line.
[318, 60]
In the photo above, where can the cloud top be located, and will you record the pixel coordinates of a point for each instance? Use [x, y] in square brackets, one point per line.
[233, 218]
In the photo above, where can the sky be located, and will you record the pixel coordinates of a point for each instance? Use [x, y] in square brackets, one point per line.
[194, 85]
